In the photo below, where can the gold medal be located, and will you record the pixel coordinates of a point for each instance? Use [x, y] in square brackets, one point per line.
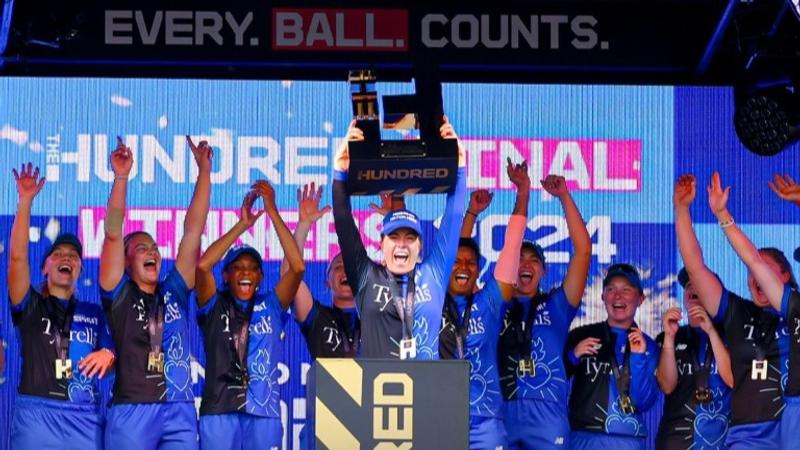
[626, 404]
[408, 348]
[759, 369]
[63, 369]
[155, 362]
[526, 367]
[702, 395]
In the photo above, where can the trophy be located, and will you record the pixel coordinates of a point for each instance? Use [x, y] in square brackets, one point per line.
[400, 167]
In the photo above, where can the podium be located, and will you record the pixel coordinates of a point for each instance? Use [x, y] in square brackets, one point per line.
[387, 404]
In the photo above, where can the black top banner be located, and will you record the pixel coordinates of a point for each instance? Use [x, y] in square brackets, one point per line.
[494, 41]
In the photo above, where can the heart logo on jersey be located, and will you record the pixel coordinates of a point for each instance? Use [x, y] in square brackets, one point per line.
[477, 387]
[178, 374]
[711, 428]
[543, 371]
[81, 390]
[619, 423]
[176, 370]
[263, 388]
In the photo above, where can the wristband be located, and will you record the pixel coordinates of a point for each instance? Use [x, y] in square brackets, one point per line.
[339, 175]
[726, 223]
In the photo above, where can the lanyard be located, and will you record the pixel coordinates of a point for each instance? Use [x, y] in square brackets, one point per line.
[351, 331]
[461, 326]
[525, 328]
[623, 379]
[155, 322]
[62, 328]
[702, 371]
[240, 333]
[403, 298]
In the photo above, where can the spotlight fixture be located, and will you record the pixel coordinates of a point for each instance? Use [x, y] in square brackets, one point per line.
[768, 120]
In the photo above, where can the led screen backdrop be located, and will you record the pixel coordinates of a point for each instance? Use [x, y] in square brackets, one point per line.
[620, 148]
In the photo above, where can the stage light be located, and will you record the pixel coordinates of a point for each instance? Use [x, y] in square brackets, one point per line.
[795, 6]
[768, 120]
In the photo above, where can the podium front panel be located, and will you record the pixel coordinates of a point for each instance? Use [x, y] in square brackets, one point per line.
[389, 404]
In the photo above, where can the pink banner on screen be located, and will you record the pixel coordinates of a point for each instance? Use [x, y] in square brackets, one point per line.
[587, 164]
[166, 226]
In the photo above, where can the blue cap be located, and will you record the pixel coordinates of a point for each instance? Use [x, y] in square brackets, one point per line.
[64, 239]
[624, 270]
[535, 248]
[401, 218]
[235, 252]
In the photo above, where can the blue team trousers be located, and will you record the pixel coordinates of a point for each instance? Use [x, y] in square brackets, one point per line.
[587, 440]
[240, 431]
[536, 425]
[487, 433]
[790, 424]
[44, 424]
[754, 436]
[152, 426]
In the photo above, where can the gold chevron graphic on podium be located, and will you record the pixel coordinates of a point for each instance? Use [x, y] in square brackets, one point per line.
[347, 374]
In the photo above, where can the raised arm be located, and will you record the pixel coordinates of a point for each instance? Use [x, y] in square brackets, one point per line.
[786, 188]
[478, 202]
[195, 220]
[578, 269]
[19, 271]
[708, 287]
[287, 285]
[767, 280]
[389, 203]
[721, 355]
[205, 284]
[507, 267]
[112, 256]
[667, 371]
[445, 243]
[354, 255]
[309, 212]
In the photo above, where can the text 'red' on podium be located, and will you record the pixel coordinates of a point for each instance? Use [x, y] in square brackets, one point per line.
[388, 404]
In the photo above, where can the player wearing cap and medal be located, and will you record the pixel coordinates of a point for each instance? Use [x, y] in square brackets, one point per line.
[400, 299]
[534, 331]
[472, 318]
[242, 333]
[64, 341]
[612, 364]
